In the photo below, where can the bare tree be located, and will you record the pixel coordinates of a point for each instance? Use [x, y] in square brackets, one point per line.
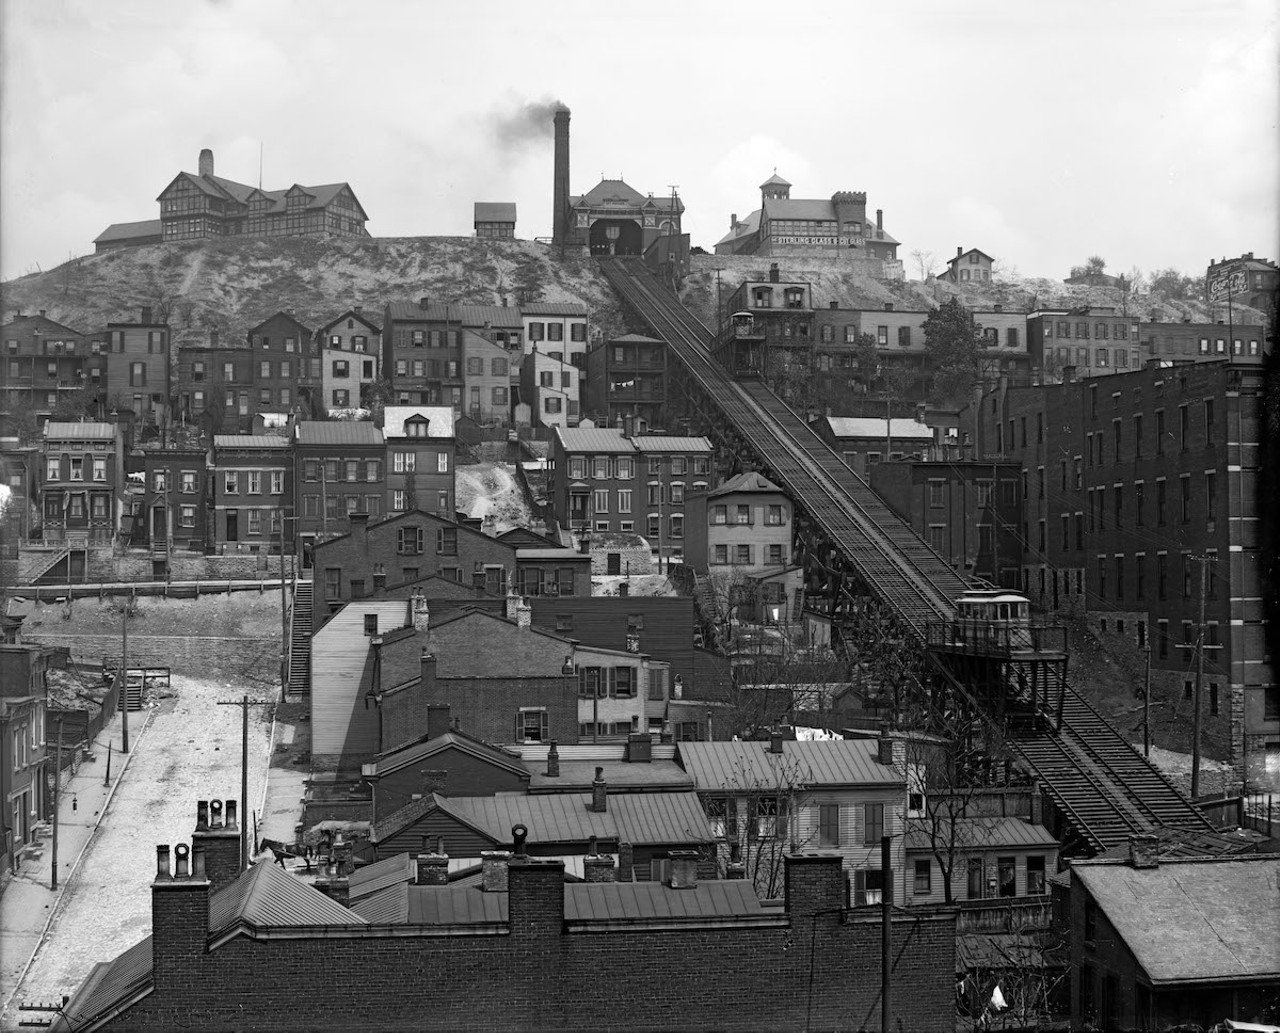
[925, 262]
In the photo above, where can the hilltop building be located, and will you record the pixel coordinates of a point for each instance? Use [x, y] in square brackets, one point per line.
[1242, 281]
[968, 267]
[495, 220]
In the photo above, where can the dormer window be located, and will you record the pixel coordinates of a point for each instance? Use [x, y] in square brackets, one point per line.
[795, 297]
[416, 428]
[762, 297]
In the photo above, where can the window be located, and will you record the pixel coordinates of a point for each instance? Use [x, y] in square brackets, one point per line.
[720, 554]
[976, 882]
[1185, 483]
[1140, 576]
[1139, 501]
[1160, 501]
[447, 541]
[872, 823]
[935, 494]
[742, 555]
[531, 724]
[1162, 575]
[332, 582]
[922, 879]
[442, 462]
[99, 468]
[720, 515]
[231, 483]
[551, 405]
[775, 556]
[829, 824]
[409, 541]
[601, 500]
[743, 515]
[404, 462]
[1035, 874]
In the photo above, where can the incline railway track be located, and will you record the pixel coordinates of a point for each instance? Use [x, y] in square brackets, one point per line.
[1103, 787]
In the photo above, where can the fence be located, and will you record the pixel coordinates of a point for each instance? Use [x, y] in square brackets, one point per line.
[167, 589]
[77, 728]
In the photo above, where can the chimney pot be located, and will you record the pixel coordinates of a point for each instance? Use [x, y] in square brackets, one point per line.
[197, 863]
[884, 746]
[231, 809]
[519, 833]
[775, 741]
[553, 761]
[181, 856]
[215, 814]
[1144, 852]
[162, 862]
[205, 164]
[599, 792]
[202, 814]
[684, 869]
[432, 869]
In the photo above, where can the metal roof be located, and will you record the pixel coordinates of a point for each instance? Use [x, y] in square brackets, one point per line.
[439, 419]
[621, 901]
[109, 984]
[577, 776]
[130, 230]
[815, 764]
[747, 482]
[593, 439]
[394, 760]
[338, 432]
[553, 308]
[981, 833]
[1193, 920]
[390, 871]
[670, 443]
[268, 896]
[635, 339]
[873, 428]
[464, 315]
[85, 431]
[533, 553]
[250, 441]
[495, 211]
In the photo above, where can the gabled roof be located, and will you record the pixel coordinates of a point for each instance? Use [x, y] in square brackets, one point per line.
[268, 896]
[495, 211]
[746, 482]
[41, 323]
[337, 432]
[1193, 920]
[439, 420]
[109, 985]
[818, 209]
[814, 764]
[635, 339]
[351, 313]
[522, 536]
[468, 316]
[610, 192]
[276, 315]
[394, 760]
[966, 254]
[81, 431]
[744, 228]
[130, 230]
[982, 833]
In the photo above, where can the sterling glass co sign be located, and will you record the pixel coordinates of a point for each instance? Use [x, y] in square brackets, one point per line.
[819, 241]
[1232, 283]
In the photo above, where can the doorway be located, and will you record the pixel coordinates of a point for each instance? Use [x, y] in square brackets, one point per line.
[233, 525]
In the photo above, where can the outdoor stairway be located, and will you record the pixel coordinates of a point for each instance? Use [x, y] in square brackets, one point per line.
[300, 627]
[45, 569]
[132, 692]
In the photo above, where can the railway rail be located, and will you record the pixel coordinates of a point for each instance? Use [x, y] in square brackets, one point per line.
[1099, 782]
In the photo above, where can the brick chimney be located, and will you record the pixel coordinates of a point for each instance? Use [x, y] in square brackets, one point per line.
[597, 867]
[684, 869]
[512, 601]
[735, 868]
[1036, 813]
[814, 882]
[560, 179]
[959, 251]
[494, 866]
[437, 718]
[879, 220]
[179, 916]
[524, 614]
[420, 613]
[626, 863]
[884, 745]
[432, 869]
[204, 166]
[599, 794]
[1144, 852]
[427, 682]
[217, 835]
[553, 761]
[535, 900]
[775, 741]
[733, 220]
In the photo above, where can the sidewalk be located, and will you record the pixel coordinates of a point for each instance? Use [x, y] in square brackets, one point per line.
[28, 904]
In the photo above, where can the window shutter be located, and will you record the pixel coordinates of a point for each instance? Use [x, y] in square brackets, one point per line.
[544, 726]
[419, 539]
[519, 736]
[400, 540]
[859, 887]
[613, 681]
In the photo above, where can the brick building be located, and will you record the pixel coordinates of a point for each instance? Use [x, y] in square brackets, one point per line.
[214, 387]
[350, 348]
[339, 470]
[1137, 495]
[864, 441]
[951, 505]
[422, 353]
[968, 266]
[745, 523]
[175, 503]
[495, 220]
[204, 205]
[422, 953]
[44, 363]
[626, 378]
[82, 482]
[252, 491]
[1243, 281]
[488, 379]
[421, 455]
[23, 761]
[286, 366]
[1212, 955]
[138, 376]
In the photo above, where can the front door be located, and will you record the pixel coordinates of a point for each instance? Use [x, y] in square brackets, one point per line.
[158, 530]
[233, 525]
[614, 562]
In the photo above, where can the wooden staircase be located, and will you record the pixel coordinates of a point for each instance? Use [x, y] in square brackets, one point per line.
[47, 568]
[300, 628]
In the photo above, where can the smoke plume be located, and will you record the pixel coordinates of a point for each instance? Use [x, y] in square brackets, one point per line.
[531, 123]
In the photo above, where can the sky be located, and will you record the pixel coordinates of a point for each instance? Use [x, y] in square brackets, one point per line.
[1144, 131]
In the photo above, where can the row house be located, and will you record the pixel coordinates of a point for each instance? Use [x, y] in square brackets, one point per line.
[602, 480]
[138, 374]
[864, 441]
[350, 349]
[175, 508]
[421, 452]
[626, 378]
[557, 328]
[422, 353]
[45, 362]
[82, 483]
[551, 387]
[338, 470]
[489, 379]
[24, 761]
[1137, 497]
[287, 370]
[1099, 340]
[216, 387]
[252, 491]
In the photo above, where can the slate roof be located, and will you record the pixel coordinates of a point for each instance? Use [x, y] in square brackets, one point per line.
[774, 181]
[337, 432]
[870, 427]
[593, 439]
[80, 431]
[267, 895]
[218, 186]
[394, 760]
[748, 482]
[439, 419]
[553, 308]
[109, 984]
[818, 209]
[745, 228]
[495, 211]
[130, 230]
[641, 901]
[1193, 921]
[837, 762]
[670, 443]
[616, 193]
[983, 833]
[41, 323]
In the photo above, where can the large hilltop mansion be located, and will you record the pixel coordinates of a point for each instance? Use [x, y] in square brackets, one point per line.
[203, 205]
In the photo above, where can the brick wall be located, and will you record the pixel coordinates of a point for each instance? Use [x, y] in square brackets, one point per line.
[818, 970]
[487, 707]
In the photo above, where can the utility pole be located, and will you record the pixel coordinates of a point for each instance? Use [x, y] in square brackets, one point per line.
[886, 933]
[57, 799]
[124, 678]
[1146, 707]
[244, 703]
[1195, 717]
[284, 617]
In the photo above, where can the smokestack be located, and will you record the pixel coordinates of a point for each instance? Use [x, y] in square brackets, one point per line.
[206, 162]
[880, 219]
[560, 187]
[599, 793]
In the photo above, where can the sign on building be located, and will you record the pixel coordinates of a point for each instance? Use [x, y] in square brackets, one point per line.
[1228, 284]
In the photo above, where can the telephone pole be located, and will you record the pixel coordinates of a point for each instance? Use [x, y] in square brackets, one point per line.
[245, 815]
[124, 678]
[1146, 707]
[57, 799]
[1195, 717]
[284, 618]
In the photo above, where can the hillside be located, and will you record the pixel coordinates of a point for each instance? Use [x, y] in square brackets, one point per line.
[233, 284]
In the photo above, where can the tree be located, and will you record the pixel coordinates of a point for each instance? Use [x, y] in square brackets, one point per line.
[1094, 266]
[953, 350]
[925, 262]
[866, 359]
